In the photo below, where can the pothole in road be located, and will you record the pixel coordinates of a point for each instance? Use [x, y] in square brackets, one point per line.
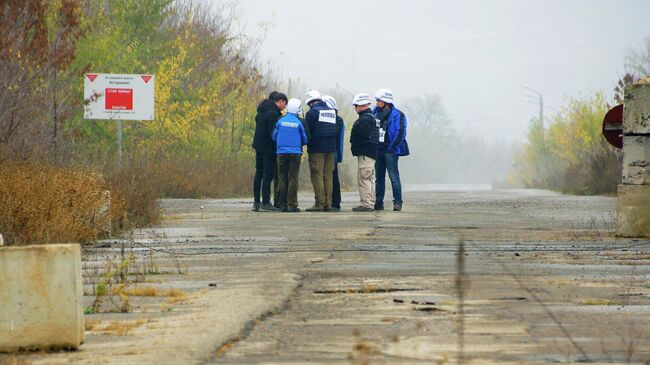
[420, 306]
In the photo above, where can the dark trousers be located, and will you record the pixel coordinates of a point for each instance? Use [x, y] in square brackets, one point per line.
[264, 172]
[336, 188]
[387, 161]
[276, 192]
[289, 169]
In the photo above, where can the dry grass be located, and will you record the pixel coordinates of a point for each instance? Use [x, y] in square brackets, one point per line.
[227, 346]
[173, 295]
[599, 301]
[10, 359]
[370, 288]
[46, 204]
[118, 328]
[136, 181]
[177, 177]
[143, 291]
[89, 325]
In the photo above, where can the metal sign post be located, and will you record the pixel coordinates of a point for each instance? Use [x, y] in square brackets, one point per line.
[119, 143]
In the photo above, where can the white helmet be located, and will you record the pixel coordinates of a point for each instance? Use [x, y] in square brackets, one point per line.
[311, 96]
[361, 99]
[384, 95]
[330, 101]
[294, 106]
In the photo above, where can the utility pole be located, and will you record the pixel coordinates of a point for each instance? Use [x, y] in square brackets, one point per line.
[540, 101]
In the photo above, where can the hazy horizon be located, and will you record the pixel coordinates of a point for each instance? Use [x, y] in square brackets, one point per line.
[476, 55]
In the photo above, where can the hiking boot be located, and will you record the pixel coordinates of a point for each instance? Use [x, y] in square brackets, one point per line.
[397, 207]
[315, 208]
[256, 207]
[293, 210]
[379, 207]
[284, 208]
[269, 208]
[333, 209]
[361, 208]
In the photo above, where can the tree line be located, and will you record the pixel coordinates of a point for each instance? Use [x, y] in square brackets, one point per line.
[209, 82]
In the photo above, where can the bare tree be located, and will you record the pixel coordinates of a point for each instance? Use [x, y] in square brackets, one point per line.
[637, 61]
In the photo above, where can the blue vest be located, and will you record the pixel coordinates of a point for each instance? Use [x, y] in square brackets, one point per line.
[289, 135]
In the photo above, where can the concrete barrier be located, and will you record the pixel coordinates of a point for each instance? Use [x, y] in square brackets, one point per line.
[636, 163]
[636, 109]
[633, 211]
[633, 208]
[41, 298]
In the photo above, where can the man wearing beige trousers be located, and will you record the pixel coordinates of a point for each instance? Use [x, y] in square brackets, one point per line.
[364, 138]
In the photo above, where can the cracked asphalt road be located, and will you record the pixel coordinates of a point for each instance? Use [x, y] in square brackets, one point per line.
[547, 282]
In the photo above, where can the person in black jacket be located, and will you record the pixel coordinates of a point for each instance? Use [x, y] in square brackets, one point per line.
[268, 113]
[321, 122]
[338, 156]
[363, 139]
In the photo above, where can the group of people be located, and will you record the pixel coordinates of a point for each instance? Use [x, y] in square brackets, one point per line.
[377, 139]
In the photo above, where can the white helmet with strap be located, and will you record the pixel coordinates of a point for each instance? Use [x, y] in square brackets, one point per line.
[361, 99]
[311, 96]
[384, 95]
[294, 106]
[330, 101]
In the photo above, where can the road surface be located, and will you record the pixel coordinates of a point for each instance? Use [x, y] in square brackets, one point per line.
[542, 280]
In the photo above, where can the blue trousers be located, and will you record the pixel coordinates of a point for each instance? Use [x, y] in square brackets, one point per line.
[387, 161]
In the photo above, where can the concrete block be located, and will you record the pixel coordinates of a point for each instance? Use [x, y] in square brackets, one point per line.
[633, 211]
[636, 160]
[636, 111]
[41, 298]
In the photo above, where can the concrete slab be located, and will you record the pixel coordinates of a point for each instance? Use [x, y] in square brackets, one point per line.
[636, 112]
[354, 288]
[633, 211]
[41, 296]
[636, 160]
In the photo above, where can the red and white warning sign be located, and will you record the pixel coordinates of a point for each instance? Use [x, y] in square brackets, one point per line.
[119, 97]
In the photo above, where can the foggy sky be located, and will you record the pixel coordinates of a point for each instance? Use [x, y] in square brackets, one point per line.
[476, 54]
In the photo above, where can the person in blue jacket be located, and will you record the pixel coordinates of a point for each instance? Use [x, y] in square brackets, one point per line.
[321, 122]
[289, 136]
[392, 144]
[338, 155]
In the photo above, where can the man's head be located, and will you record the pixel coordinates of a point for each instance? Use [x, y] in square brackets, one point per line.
[384, 97]
[312, 97]
[361, 102]
[273, 94]
[280, 100]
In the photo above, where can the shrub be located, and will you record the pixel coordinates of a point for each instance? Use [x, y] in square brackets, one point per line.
[47, 204]
[571, 155]
[135, 184]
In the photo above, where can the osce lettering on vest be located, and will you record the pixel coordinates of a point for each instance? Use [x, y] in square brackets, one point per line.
[289, 124]
[327, 116]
